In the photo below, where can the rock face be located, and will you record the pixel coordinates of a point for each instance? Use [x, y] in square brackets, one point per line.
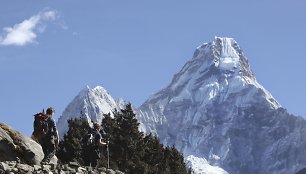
[303, 171]
[13, 144]
[215, 109]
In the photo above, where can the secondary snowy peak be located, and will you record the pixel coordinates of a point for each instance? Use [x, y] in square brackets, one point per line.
[89, 103]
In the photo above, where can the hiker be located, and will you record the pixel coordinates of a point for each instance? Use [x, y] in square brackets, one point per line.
[48, 135]
[94, 147]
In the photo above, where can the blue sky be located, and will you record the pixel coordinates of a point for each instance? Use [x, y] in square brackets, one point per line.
[50, 50]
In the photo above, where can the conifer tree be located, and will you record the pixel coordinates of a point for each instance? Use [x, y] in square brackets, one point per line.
[132, 152]
[129, 150]
[108, 125]
[175, 161]
[127, 140]
[71, 147]
[154, 153]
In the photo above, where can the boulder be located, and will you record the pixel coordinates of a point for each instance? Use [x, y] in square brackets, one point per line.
[14, 145]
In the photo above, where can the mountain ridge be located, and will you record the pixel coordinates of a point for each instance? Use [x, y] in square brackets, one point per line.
[213, 104]
[224, 78]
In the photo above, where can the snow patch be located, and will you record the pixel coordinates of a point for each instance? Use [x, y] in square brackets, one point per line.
[229, 58]
[201, 166]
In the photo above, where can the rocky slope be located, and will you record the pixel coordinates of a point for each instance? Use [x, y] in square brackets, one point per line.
[20, 154]
[215, 109]
[72, 167]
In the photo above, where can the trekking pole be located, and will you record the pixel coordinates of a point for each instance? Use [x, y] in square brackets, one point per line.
[107, 154]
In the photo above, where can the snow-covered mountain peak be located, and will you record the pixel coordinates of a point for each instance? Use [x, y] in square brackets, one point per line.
[93, 103]
[217, 114]
[218, 74]
[218, 71]
[225, 55]
[98, 90]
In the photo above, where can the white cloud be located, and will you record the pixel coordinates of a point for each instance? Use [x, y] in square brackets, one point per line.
[49, 15]
[26, 31]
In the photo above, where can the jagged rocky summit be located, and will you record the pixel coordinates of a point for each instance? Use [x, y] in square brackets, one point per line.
[214, 109]
[218, 74]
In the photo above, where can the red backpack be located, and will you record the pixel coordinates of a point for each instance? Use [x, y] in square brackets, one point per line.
[40, 125]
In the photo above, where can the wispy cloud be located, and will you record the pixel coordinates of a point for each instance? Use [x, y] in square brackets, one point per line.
[26, 32]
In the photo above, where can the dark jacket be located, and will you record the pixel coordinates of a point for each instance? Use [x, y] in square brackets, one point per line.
[51, 127]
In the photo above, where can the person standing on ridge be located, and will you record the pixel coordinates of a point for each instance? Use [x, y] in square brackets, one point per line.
[95, 146]
[51, 138]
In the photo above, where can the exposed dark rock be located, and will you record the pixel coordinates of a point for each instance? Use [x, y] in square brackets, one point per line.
[303, 171]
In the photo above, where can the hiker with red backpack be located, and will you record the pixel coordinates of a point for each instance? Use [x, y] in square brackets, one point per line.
[45, 133]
